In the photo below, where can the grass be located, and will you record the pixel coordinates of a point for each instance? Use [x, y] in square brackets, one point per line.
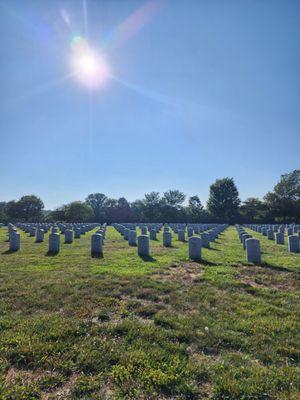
[120, 327]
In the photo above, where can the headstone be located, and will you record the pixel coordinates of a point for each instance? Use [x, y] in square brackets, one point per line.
[96, 245]
[245, 237]
[264, 231]
[270, 234]
[167, 239]
[54, 243]
[143, 246]
[77, 233]
[132, 238]
[195, 245]
[181, 235]
[253, 251]
[14, 242]
[39, 235]
[125, 234]
[279, 238]
[69, 235]
[153, 234]
[293, 244]
[144, 230]
[289, 231]
[205, 240]
[190, 231]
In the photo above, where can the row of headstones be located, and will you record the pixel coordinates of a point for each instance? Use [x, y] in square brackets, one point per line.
[250, 244]
[38, 229]
[193, 228]
[273, 232]
[97, 239]
[207, 232]
[142, 241]
[54, 237]
[289, 229]
[190, 228]
[129, 231]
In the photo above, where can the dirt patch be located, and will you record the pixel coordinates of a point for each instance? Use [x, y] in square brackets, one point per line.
[25, 375]
[183, 273]
[264, 278]
[62, 392]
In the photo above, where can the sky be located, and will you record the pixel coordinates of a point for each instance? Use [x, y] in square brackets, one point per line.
[125, 97]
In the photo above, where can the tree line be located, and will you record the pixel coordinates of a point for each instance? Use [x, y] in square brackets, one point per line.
[223, 205]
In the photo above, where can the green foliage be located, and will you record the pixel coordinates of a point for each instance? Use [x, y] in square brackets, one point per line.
[254, 210]
[224, 199]
[98, 203]
[3, 214]
[28, 208]
[195, 209]
[281, 205]
[151, 207]
[172, 206]
[79, 211]
[284, 201]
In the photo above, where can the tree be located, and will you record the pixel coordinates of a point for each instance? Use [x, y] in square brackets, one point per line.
[28, 208]
[284, 201]
[253, 210]
[77, 211]
[138, 209]
[59, 214]
[194, 210]
[172, 209]
[122, 211]
[173, 198]
[151, 207]
[110, 210]
[98, 203]
[224, 200]
[3, 215]
[31, 208]
[11, 210]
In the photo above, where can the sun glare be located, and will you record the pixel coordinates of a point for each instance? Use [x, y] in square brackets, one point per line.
[89, 67]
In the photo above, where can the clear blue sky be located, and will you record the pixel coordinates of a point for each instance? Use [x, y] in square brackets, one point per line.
[199, 90]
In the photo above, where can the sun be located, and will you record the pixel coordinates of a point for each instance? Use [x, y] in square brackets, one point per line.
[87, 64]
[89, 67]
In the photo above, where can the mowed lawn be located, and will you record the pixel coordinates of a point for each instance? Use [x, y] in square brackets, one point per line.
[120, 327]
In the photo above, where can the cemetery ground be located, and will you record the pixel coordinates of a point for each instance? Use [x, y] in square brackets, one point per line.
[165, 327]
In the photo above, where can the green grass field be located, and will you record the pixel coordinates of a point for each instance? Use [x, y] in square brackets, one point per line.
[76, 327]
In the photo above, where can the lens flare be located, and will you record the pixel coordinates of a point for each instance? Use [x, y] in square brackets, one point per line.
[89, 67]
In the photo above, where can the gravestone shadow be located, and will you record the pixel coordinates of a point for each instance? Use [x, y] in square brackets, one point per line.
[148, 258]
[206, 262]
[274, 267]
[6, 252]
[51, 253]
[97, 255]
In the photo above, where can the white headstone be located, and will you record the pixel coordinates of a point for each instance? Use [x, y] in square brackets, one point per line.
[195, 246]
[54, 243]
[96, 245]
[253, 250]
[143, 246]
